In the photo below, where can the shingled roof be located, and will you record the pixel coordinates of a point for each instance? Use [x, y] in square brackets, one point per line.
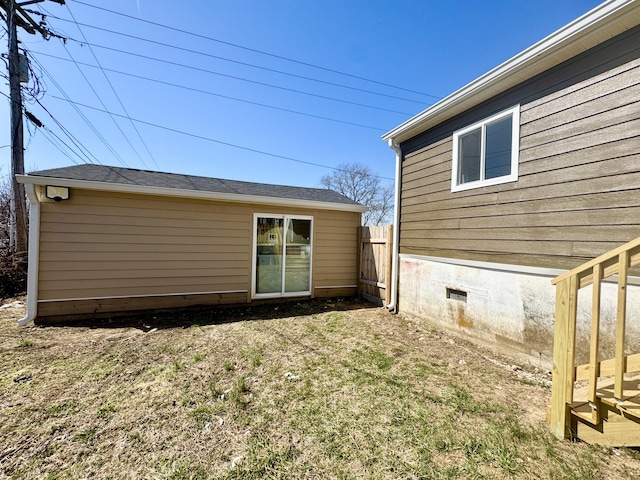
[97, 175]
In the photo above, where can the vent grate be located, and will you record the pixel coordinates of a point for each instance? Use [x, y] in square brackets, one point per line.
[459, 295]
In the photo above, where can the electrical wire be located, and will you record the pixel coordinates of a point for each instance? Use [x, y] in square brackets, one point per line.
[48, 134]
[280, 57]
[71, 137]
[204, 70]
[35, 89]
[127, 116]
[104, 106]
[208, 139]
[43, 127]
[209, 55]
[206, 92]
[116, 95]
[86, 120]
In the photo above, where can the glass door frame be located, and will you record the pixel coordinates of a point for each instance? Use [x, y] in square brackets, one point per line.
[254, 256]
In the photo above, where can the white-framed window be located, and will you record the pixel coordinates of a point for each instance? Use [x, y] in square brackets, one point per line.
[282, 254]
[486, 153]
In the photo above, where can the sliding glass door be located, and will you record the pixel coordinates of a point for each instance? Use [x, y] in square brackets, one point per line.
[297, 263]
[268, 264]
[282, 259]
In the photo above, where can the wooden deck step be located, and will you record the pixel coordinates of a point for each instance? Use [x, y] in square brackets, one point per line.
[611, 422]
[630, 404]
[585, 412]
[615, 429]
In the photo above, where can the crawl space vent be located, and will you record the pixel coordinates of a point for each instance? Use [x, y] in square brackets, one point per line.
[458, 295]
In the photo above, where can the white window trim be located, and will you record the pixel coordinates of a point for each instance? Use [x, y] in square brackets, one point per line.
[254, 247]
[514, 112]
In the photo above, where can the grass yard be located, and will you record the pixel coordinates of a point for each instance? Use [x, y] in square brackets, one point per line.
[308, 390]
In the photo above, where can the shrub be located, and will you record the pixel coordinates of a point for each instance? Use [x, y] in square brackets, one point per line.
[13, 273]
[13, 267]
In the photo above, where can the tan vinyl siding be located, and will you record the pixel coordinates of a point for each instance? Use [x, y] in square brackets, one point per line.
[101, 244]
[335, 252]
[106, 245]
[578, 192]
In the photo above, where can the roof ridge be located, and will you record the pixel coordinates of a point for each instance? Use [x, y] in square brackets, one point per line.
[113, 167]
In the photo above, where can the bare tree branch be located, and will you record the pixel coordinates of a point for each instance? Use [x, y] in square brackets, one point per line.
[357, 182]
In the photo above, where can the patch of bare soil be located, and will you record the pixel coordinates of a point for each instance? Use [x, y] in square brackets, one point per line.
[312, 389]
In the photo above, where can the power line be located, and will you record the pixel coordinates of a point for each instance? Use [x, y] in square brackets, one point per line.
[46, 132]
[71, 137]
[44, 128]
[102, 103]
[205, 54]
[204, 70]
[86, 120]
[205, 92]
[280, 57]
[208, 139]
[116, 95]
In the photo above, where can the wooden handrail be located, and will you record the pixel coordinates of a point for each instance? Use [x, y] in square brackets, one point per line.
[606, 259]
[565, 373]
[607, 367]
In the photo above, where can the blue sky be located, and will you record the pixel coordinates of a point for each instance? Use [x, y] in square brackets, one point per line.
[232, 90]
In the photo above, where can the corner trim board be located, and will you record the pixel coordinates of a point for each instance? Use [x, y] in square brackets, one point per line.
[34, 256]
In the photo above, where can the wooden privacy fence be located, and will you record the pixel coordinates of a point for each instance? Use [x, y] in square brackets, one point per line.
[375, 263]
[607, 409]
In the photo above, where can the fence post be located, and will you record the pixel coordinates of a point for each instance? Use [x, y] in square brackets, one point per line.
[389, 255]
[564, 340]
[359, 261]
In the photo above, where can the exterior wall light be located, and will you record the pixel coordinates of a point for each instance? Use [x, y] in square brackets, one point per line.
[57, 193]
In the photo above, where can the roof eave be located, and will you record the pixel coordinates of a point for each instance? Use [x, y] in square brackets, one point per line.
[603, 22]
[183, 193]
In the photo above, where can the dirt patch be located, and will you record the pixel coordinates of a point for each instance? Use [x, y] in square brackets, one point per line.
[318, 389]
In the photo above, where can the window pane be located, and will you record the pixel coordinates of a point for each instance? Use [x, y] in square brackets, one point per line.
[498, 149]
[298, 261]
[269, 255]
[470, 157]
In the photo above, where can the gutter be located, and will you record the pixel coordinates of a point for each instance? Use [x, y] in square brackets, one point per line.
[396, 228]
[34, 256]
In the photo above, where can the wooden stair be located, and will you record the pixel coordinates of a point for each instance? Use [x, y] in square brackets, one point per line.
[608, 421]
[598, 402]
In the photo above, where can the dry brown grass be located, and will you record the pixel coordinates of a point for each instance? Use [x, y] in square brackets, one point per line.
[302, 390]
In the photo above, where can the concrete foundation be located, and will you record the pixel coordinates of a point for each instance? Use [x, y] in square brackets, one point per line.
[507, 308]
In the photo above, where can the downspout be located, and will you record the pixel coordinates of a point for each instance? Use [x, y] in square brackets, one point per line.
[396, 228]
[34, 255]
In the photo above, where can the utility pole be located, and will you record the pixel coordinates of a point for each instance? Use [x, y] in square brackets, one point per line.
[18, 17]
[18, 199]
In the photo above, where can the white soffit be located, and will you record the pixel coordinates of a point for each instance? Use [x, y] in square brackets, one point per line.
[596, 26]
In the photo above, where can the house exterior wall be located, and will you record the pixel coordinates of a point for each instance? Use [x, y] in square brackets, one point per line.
[579, 171]
[577, 196]
[106, 251]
